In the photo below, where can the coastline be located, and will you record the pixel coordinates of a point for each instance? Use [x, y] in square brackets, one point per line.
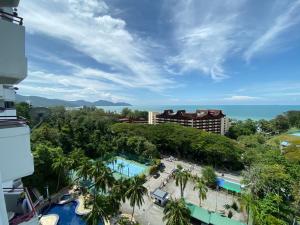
[238, 112]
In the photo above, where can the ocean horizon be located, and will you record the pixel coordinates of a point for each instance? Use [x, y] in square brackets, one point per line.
[238, 112]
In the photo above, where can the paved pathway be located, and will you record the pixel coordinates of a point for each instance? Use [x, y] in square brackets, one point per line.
[152, 214]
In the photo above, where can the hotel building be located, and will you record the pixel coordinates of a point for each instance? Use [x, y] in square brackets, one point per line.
[214, 121]
[16, 160]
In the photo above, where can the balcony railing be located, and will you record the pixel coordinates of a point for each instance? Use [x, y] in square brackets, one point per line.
[27, 216]
[9, 121]
[14, 18]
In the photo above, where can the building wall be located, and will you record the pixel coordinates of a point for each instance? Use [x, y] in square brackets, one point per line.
[218, 125]
[152, 117]
[3, 213]
[16, 159]
[13, 63]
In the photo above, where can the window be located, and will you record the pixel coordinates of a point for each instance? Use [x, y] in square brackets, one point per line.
[9, 105]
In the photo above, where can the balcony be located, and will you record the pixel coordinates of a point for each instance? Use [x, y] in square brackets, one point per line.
[13, 63]
[16, 160]
[19, 206]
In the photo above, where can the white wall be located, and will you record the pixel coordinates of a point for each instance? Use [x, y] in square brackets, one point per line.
[13, 63]
[16, 159]
[3, 213]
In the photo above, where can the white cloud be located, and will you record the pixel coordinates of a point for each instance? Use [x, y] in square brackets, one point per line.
[241, 98]
[64, 86]
[205, 33]
[88, 27]
[210, 33]
[283, 22]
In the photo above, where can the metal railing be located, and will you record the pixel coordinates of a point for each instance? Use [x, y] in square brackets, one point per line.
[11, 121]
[12, 17]
[27, 216]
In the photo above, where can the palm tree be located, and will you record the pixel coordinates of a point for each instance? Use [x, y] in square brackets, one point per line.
[136, 192]
[59, 164]
[176, 213]
[120, 188]
[181, 178]
[84, 169]
[121, 166]
[102, 176]
[101, 210]
[202, 189]
[247, 201]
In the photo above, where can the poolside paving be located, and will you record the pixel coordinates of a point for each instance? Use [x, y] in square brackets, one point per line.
[49, 219]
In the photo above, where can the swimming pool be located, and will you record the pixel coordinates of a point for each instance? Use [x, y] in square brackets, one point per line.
[66, 213]
[296, 133]
[229, 185]
[128, 168]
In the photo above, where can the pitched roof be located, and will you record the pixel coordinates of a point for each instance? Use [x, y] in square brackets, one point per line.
[198, 115]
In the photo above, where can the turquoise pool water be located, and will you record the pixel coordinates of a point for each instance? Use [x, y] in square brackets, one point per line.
[127, 168]
[67, 215]
[297, 133]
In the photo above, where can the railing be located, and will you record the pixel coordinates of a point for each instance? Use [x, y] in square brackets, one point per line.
[14, 18]
[26, 217]
[12, 121]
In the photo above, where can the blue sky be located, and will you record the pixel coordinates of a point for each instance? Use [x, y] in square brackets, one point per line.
[164, 51]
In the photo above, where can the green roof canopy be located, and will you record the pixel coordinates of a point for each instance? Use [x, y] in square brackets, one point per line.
[217, 219]
[199, 213]
[212, 218]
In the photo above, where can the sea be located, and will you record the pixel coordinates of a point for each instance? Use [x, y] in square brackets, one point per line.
[238, 112]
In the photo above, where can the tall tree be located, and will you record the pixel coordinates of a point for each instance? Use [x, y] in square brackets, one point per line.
[59, 165]
[101, 210]
[209, 176]
[181, 179]
[202, 189]
[136, 192]
[102, 176]
[176, 213]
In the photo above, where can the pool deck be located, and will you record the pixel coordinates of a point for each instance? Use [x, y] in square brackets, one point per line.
[80, 209]
[49, 219]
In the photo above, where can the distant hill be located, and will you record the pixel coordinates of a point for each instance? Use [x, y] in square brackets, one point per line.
[46, 102]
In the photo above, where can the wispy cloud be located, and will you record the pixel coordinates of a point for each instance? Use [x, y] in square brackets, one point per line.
[205, 35]
[68, 87]
[283, 22]
[208, 34]
[241, 98]
[88, 27]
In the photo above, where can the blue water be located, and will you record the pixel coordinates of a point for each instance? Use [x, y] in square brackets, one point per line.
[297, 133]
[240, 112]
[67, 215]
[129, 168]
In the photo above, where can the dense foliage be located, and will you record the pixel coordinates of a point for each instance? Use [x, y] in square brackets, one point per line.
[68, 139]
[279, 124]
[186, 142]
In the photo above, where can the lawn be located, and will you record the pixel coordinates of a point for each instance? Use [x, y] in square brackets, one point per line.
[284, 137]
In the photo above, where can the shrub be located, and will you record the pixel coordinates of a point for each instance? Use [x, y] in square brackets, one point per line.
[209, 176]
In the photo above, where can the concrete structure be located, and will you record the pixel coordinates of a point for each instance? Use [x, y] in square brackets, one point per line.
[214, 121]
[16, 160]
[160, 196]
[152, 117]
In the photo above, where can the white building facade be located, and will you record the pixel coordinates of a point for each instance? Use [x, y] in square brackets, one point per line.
[16, 160]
